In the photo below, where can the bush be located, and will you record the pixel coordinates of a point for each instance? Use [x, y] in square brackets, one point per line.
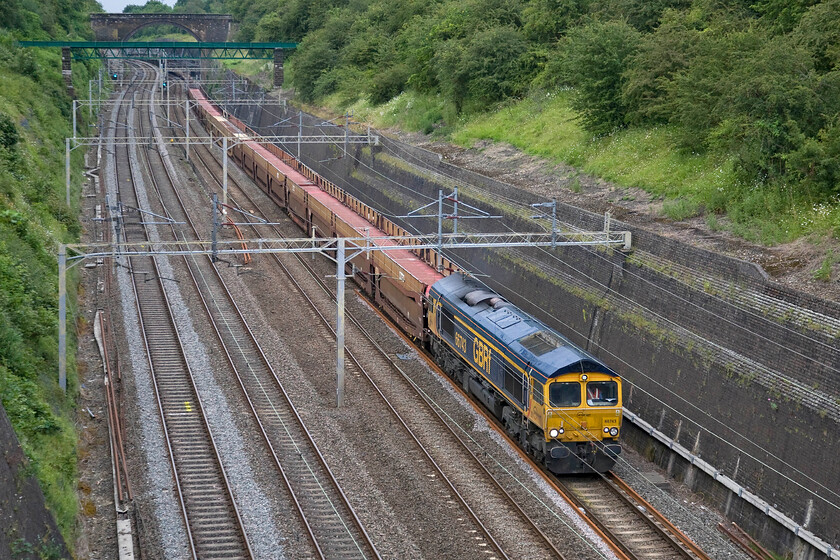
[819, 33]
[816, 164]
[661, 55]
[492, 66]
[388, 83]
[313, 59]
[545, 21]
[8, 132]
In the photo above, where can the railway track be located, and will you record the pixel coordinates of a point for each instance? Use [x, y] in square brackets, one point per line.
[211, 518]
[626, 520]
[332, 526]
[427, 421]
[744, 541]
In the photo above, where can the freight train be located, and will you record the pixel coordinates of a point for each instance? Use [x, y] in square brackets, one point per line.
[561, 404]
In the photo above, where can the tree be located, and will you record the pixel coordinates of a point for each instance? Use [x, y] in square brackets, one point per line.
[782, 15]
[493, 66]
[318, 54]
[150, 7]
[771, 106]
[596, 56]
[313, 58]
[661, 55]
[819, 32]
[694, 94]
[546, 21]
[816, 164]
[644, 15]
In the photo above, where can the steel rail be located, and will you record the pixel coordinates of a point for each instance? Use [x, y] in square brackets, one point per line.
[645, 539]
[234, 368]
[670, 528]
[114, 423]
[744, 541]
[424, 399]
[399, 418]
[170, 452]
[670, 534]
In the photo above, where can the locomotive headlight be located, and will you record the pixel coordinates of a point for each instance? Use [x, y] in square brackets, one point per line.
[554, 432]
[562, 430]
[613, 432]
[606, 430]
[584, 377]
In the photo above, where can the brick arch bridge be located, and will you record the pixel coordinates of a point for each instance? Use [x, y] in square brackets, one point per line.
[209, 28]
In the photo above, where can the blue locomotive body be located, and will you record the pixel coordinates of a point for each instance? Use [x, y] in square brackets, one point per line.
[561, 403]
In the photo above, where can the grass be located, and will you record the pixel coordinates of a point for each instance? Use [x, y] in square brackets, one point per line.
[260, 71]
[645, 158]
[823, 273]
[691, 184]
[679, 209]
[34, 219]
[162, 32]
[409, 111]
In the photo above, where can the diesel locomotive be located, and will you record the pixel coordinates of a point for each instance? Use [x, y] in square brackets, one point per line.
[561, 404]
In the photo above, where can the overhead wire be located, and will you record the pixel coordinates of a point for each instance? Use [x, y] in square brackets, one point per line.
[453, 258]
[691, 405]
[626, 463]
[419, 194]
[630, 272]
[551, 510]
[411, 227]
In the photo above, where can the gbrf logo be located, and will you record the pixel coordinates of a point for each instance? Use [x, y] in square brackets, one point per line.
[481, 355]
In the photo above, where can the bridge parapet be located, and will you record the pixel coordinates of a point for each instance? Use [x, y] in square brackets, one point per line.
[212, 28]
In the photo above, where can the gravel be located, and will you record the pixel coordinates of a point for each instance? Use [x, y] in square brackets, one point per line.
[549, 498]
[683, 508]
[254, 507]
[362, 443]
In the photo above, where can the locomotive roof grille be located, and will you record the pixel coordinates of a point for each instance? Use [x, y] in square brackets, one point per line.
[540, 342]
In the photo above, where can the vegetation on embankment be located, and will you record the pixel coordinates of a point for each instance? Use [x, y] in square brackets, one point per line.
[726, 107]
[35, 117]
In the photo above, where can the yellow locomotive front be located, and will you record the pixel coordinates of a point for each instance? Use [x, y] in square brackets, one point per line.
[582, 422]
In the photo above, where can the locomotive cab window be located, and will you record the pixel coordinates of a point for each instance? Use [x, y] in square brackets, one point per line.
[564, 394]
[602, 393]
